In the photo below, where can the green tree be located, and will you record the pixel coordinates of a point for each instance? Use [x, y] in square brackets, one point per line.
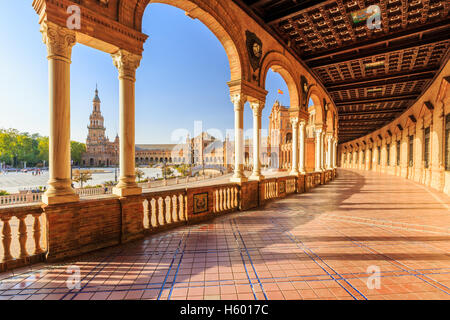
[77, 150]
[81, 176]
[42, 149]
[139, 174]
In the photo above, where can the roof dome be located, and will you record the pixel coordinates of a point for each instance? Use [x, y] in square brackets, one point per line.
[96, 98]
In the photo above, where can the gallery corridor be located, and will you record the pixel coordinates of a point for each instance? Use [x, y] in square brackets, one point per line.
[326, 244]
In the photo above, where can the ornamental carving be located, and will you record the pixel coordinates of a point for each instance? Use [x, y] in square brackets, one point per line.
[238, 101]
[59, 40]
[254, 49]
[257, 107]
[126, 63]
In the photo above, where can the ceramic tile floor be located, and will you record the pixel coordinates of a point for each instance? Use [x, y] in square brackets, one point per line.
[326, 244]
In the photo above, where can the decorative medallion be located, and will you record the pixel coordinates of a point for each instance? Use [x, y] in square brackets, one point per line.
[254, 48]
[200, 202]
[304, 87]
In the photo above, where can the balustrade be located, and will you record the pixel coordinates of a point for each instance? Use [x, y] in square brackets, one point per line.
[164, 208]
[21, 236]
[225, 198]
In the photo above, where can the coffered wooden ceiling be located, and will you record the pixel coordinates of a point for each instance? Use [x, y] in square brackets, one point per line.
[372, 75]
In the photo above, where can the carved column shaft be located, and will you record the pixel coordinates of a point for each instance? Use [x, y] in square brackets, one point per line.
[59, 43]
[257, 110]
[238, 102]
[318, 149]
[302, 153]
[127, 63]
[330, 151]
[294, 170]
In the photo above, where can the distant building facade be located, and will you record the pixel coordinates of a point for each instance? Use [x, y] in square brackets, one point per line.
[280, 138]
[99, 150]
[204, 149]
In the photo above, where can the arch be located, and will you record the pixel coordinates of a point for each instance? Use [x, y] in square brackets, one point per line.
[315, 95]
[213, 14]
[280, 64]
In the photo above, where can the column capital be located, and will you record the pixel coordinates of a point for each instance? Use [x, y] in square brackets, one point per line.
[257, 107]
[127, 64]
[302, 123]
[238, 101]
[59, 40]
[294, 121]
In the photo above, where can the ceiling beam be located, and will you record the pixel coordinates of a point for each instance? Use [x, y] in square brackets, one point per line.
[374, 112]
[368, 121]
[438, 30]
[383, 80]
[304, 5]
[378, 99]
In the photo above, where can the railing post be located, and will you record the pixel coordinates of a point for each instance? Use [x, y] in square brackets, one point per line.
[37, 233]
[6, 239]
[23, 236]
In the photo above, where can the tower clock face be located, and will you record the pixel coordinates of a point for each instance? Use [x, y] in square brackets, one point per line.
[257, 50]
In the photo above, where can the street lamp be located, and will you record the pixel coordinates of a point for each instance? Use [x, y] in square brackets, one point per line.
[203, 166]
[164, 168]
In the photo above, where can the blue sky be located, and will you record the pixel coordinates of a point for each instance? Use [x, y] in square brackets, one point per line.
[182, 78]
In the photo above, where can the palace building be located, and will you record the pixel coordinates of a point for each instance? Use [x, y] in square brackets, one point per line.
[204, 149]
[99, 150]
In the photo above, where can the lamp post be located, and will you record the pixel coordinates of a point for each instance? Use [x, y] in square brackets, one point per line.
[203, 166]
[164, 169]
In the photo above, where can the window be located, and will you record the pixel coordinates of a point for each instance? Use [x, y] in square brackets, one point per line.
[388, 154]
[398, 152]
[447, 142]
[379, 155]
[411, 151]
[364, 156]
[426, 152]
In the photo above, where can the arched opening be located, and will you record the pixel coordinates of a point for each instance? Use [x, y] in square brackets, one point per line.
[281, 97]
[193, 57]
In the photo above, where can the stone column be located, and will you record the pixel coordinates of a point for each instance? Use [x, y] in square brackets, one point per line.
[238, 102]
[322, 152]
[330, 150]
[335, 146]
[257, 110]
[318, 149]
[294, 159]
[59, 43]
[127, 63]
[302, 134]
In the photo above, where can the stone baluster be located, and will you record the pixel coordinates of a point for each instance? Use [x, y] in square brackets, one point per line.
[6, 238]
[37, 233]
[23, 236]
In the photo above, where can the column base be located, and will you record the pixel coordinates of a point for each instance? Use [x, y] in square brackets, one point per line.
[256, 177]
[294, 173]
[124, 192]
[238, 179]
[59, 199]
